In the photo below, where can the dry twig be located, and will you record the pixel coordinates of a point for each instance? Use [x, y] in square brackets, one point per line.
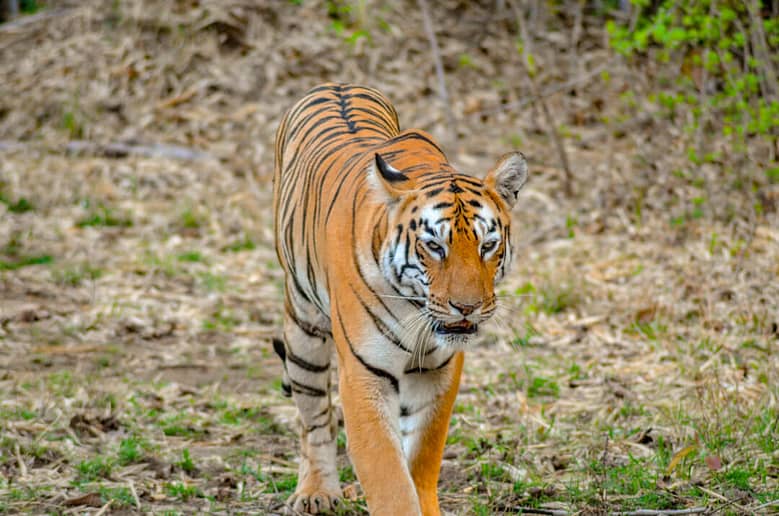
[548, 92]
[550, 122]
[443, 94]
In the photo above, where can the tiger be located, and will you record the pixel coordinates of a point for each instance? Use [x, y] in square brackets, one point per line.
[390, 259]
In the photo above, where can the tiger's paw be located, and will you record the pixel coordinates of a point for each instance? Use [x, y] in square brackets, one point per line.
[315, 501]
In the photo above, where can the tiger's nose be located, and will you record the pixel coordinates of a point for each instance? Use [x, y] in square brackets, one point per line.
[464, 308]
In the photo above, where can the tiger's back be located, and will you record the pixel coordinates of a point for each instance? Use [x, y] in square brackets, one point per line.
[321, 149]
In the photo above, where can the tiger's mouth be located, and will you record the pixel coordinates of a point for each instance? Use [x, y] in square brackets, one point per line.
[463, 327]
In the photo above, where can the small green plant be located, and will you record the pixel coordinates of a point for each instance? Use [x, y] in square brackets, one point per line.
[190, 256]
[21, 205]
[556, 298]
[523, 340]
[93, 469]
[243, 244]
[130, 450]
[121, 497]
[737, 478]
[25, 261]
[182, 491]
[29, 6]
[165, 264]
[716, 63]
[186, 463]
[346, 475]
[102, 215]
[540, 386]
[283, 484]
[212, 282]
[191, 218]
[74, 276]
[72, 122]
[221, 319]
[492, 471]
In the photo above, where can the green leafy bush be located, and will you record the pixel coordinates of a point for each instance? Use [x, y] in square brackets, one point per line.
[716, 60]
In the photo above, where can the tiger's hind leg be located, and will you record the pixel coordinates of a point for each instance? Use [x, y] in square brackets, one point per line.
[307, 356]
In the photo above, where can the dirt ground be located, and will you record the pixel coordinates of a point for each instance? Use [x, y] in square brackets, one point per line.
[634, 364]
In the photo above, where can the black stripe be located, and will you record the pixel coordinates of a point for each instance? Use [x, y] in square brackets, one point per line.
[419, 370]
[379, 323]
[418, 136]
[381, 373]
[278, 347]
[468, 180]
[307, 328]
[323, 443]
[311, 428]
[406, 411]
[302, 388]
[308, 366]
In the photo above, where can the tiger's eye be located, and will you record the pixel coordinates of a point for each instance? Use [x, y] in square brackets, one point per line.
[435, 248]
[486, 247]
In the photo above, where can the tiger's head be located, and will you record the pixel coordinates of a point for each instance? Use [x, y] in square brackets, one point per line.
[448, 239]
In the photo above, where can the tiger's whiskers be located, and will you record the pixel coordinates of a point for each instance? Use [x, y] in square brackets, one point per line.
[409, 298]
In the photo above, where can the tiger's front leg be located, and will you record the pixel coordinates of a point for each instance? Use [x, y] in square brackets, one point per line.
[424, 424]
[370, 408]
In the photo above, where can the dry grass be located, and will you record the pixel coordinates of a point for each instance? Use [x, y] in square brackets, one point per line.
[635, 364]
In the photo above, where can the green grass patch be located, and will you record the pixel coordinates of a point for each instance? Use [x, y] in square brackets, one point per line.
[190, 256]
[243, 244]
[186, 463]
[738, 478]
[284, 484]
[121, 497]
[131, 450]
[61, 383]
[182, 492]
[25, 261]
[346, 475]
[93, 469]
[236, 416]
[75, 275]
[540, 386]
[549, 297]
[178, 430]
[102, 215]
[21, 205]
[222, 319]
[165, 264]
[212, 282]
[190, 218]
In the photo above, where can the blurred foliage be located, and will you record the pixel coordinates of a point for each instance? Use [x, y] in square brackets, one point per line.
[715, 59]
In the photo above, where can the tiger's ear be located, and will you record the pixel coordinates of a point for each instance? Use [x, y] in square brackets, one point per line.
[386, 180]
[508, 176]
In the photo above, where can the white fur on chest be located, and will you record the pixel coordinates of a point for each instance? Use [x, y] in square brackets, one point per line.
[420, 395]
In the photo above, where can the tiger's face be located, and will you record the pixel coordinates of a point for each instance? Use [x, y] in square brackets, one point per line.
[448, 244]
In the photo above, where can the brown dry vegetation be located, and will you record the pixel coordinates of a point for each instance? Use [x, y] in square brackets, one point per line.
[635, 364]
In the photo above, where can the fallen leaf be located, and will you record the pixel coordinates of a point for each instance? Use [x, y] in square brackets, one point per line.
[678, 457]
[713, 462]
[89, 499]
